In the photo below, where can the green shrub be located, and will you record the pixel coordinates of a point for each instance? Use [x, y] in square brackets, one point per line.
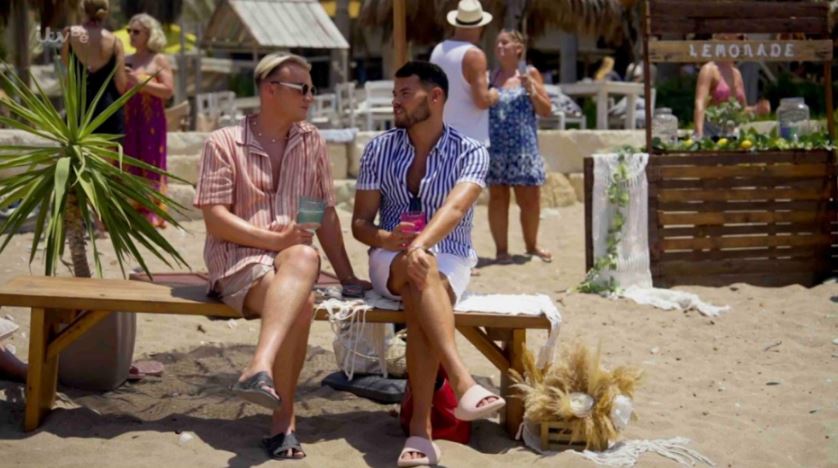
[679, 95]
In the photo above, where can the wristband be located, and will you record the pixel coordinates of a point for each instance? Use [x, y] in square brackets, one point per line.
[419, 246]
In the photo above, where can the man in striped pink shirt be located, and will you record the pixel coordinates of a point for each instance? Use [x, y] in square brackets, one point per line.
[260, 261]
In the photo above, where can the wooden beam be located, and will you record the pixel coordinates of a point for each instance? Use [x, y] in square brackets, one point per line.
[70, 334]
[514, 406]
[399, 34]
[763, 51]
[772, 25]
[743, 9]
[483, 344]
[588, 181]
[20, 31]
[34, 375]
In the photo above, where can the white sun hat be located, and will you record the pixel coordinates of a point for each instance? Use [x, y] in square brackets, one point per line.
[469, 14]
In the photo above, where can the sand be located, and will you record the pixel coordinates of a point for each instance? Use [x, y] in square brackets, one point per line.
[710, 380]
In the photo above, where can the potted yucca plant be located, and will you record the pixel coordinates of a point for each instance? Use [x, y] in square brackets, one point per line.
[80, 176]
[76, 177]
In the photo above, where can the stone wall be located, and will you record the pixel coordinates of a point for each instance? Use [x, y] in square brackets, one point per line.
[563, 152]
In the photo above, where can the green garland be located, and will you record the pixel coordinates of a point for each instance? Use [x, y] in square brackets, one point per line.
[619, 197]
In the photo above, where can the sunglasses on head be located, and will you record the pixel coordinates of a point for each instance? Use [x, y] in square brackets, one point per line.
[303, 88]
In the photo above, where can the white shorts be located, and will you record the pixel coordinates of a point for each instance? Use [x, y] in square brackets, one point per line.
[455, 268]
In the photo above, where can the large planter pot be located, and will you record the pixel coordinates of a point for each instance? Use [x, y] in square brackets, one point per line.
[101, 358]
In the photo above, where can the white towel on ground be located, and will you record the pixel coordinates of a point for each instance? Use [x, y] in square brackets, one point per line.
[632, 273]
[625, 452]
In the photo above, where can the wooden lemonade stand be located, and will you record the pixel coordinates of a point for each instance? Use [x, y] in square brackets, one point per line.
[767, 218]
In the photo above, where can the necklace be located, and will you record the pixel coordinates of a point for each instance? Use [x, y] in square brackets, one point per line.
[259, 134]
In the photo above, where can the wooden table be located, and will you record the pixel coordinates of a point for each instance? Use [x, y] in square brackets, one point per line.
[63, 309]
[600, 90]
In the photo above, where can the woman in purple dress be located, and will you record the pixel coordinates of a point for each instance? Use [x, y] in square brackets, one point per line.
[145, 119]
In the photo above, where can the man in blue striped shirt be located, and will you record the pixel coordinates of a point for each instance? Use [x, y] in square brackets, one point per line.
[428, 270]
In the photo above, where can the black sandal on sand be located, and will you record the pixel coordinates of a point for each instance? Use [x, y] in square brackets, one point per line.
[279, 445]
[255, 390]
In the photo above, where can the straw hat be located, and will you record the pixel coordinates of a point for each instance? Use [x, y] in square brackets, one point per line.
[469, 14]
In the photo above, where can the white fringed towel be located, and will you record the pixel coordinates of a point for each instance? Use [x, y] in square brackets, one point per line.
[624, 453]
[532, 305]
[633, 274]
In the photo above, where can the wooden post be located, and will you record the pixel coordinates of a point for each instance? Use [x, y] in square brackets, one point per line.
[588, 174]
[514, 406]
[20, 27]
[647, 77]
[399, 34]
[181, 77]
[42, 376]
[830, 118]
[568, 47]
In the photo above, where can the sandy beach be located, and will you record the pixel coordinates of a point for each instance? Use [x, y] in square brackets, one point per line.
[749, 389]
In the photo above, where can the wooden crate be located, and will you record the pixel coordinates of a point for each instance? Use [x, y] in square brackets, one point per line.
[555, 436]
[766, 218]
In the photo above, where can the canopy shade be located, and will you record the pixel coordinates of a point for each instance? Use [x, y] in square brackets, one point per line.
[265, 25]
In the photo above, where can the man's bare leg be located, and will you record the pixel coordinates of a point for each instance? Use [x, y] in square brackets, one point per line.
[428, 309]
[287, 367]
[435, 317]
[422, 367]
[280, 298]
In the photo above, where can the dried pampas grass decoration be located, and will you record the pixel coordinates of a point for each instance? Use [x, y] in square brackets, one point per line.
[579, 392]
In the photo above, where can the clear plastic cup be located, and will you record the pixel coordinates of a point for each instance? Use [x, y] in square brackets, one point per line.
[310, 213]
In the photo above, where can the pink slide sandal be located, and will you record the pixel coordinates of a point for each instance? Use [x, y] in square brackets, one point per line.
[467, 409]
[420, 445]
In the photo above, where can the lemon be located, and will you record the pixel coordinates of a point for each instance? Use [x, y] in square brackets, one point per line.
[721, 142]
[688, 143]
[746, 144]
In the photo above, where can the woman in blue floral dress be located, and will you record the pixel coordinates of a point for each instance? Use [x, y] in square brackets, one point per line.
[515, 160]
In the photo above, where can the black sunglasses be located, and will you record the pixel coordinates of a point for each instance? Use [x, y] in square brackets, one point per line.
[135, 32]
[303, 88]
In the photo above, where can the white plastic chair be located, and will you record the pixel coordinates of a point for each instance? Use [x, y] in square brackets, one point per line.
[377, 107]
[220, 106]
[559, 119]
[323, 113]
[346, 104]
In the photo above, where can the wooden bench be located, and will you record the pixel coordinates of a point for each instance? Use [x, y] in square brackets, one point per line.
[80, 303]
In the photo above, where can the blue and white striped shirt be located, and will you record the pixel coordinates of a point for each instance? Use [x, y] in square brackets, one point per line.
[455, 159]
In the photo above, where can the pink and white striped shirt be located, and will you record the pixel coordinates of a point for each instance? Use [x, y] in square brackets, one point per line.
[236, 171]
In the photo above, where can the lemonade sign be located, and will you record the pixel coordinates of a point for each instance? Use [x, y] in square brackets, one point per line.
[764, 51]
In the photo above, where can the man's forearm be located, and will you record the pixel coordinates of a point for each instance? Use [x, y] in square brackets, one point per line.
[228, 227]
[443, 222]
[331, 239]
[367, 233]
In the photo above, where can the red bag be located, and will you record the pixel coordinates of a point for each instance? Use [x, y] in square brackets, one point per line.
[444, 425]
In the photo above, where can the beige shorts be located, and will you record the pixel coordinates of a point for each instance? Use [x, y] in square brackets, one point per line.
[233, 289]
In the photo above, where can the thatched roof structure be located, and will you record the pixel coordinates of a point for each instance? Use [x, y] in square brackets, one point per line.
[426, 18]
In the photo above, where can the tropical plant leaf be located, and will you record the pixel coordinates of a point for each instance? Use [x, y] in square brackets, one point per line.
[80, 170]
